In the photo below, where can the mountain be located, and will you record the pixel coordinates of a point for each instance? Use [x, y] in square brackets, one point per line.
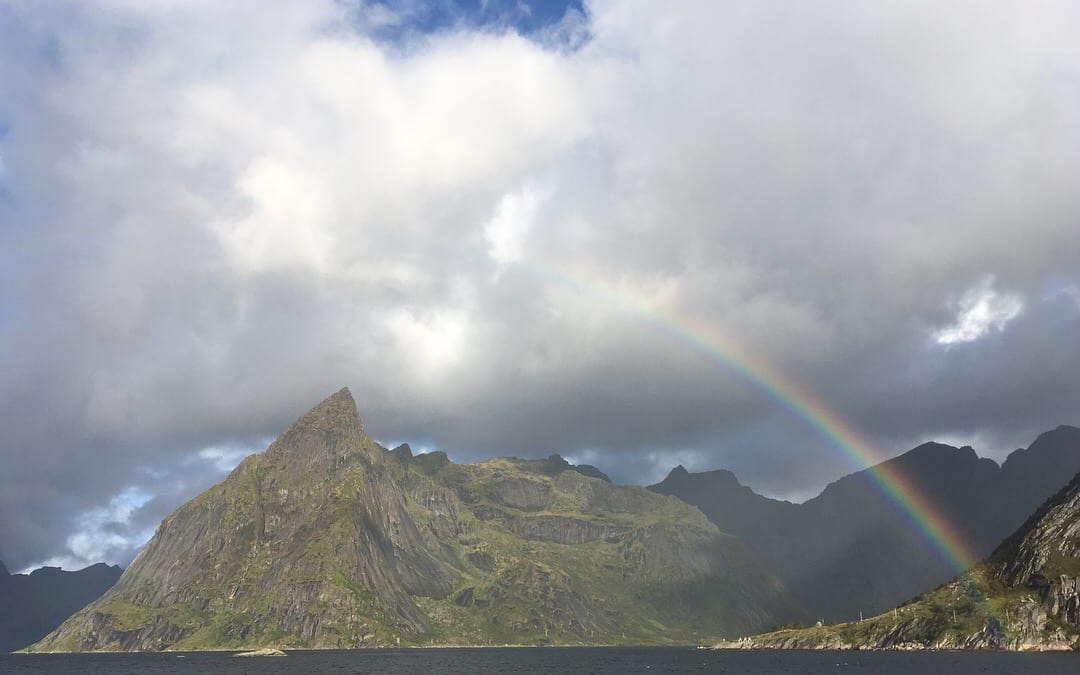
[1025, 596]
[851, 551]
[327, 539]
[33, 604]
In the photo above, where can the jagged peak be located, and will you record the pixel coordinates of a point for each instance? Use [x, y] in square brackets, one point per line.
[336, 408]
[431, 461]
[333, 420]
[590, 471]
[556, 463]
[716, 477]
[677, 473]
[1054, 442]
[403, 451]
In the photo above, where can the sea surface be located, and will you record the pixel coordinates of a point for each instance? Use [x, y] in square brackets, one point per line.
[551, 660]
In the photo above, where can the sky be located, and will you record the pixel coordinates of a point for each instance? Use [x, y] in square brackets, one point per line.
[496, 222]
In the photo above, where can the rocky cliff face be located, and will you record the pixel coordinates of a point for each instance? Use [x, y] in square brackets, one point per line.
[329, 540]
[849, 551]
[1026, 596]
[32, 605]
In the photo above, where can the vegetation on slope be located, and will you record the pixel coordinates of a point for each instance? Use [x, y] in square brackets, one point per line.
[329, 540]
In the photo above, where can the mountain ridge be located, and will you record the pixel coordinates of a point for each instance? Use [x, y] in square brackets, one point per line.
[32, 605]
[327, 539]
[848, 550]
[1025, 597]
[417, 552]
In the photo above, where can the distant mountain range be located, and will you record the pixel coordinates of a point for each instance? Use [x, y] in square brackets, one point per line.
[850, 550]
[33, 604]
[1025, 596]
[329, 540]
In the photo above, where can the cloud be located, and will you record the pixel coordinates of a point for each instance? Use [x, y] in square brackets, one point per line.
[1069, 291]
[104, 533]
[514, 217]
[224, 459]
[213, 216]
[980, 310]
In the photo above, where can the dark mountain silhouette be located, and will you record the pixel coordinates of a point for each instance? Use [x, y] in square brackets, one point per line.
[851, 550]
[32, 605]
[1025, 596]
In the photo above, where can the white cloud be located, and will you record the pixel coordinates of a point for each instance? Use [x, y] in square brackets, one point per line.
[514, 217]
[980, 310]
[290, 213]
[103, 533]
[225, 459]
[431, 343]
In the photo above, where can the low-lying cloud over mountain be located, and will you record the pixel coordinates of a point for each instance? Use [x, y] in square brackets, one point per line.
[498, 230]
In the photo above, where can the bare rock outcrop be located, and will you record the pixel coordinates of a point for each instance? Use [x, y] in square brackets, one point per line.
[327, 539]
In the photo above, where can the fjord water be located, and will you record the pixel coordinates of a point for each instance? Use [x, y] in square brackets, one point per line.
[550, 660]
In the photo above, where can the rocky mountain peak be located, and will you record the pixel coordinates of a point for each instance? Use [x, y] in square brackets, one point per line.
[679, 473]
[328, 540]
[1045, 547]
[712, 480]
[3, 569]
[337, 411]
[403, 451]
[324, 436]
[1060, 441]
[556, 464]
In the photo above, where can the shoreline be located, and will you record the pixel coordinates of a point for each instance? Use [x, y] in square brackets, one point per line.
[374, 648]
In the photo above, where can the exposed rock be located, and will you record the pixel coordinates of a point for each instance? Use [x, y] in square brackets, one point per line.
[439, 502]
[328, 540]
[555, 464]
[466, 598]
[590, 471]
[561, 529]
[402, 452]
[430, 462]
[595, 497]
[485, 512]
[525, 494]
[481, 560]
[265, 651]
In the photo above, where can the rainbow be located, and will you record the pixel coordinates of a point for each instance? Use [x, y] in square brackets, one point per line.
[709, 340]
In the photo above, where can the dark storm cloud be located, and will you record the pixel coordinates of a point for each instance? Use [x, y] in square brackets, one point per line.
[212, 217]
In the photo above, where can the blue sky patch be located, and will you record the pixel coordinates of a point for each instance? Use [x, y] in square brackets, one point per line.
[408, 18]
